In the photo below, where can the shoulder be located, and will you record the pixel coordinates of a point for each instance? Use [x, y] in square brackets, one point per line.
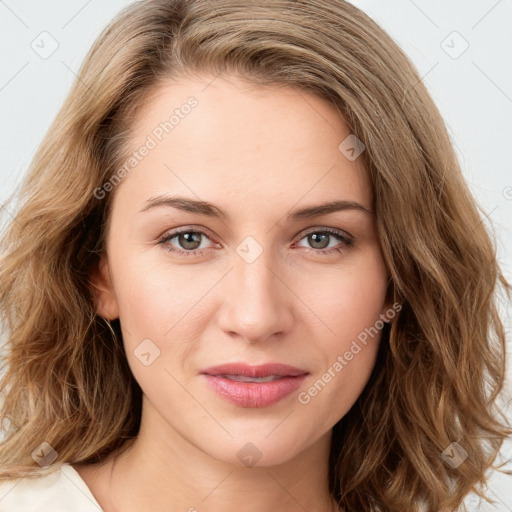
[59, 491]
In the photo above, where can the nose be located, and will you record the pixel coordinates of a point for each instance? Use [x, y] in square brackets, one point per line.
[256, 302]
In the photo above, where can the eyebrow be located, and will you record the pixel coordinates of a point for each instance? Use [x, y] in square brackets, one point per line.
[210, 210]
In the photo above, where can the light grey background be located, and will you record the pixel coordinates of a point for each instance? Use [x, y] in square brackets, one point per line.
[462, 50]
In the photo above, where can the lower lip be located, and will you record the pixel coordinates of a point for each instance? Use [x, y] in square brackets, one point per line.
[254, 394]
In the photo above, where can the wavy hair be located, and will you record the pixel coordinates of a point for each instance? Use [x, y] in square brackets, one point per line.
[440, 369]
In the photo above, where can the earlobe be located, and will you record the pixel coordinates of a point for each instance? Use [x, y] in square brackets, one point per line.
[102, 290]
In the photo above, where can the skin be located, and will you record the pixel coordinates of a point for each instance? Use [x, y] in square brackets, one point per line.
[257, 153]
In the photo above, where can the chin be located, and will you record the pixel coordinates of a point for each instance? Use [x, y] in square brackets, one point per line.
[260, 445]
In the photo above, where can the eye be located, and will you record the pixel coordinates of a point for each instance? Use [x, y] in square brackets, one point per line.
[320, 240]
[189, 242]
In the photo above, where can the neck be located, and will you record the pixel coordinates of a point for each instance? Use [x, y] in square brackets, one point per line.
[161, 471]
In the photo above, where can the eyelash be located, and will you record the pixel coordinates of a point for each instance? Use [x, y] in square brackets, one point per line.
[346, 240]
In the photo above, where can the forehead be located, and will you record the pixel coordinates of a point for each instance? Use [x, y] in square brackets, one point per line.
[224, 136]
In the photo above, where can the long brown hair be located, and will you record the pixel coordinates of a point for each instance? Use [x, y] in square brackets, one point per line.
[441, 365]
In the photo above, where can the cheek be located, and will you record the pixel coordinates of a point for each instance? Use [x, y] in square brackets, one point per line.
[155, 295]
[351, 309]
[351, 299]
[163, 313]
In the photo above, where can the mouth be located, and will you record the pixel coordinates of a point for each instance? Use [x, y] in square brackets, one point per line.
[254, 386]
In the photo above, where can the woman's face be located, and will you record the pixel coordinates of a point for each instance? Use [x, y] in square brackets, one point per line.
[254, 279]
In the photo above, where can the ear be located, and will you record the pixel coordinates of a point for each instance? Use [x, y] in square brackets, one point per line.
[102, 289]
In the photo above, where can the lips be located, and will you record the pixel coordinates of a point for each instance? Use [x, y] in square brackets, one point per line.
[254, 386]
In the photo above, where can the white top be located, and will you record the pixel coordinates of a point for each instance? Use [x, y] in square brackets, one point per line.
[60, 491]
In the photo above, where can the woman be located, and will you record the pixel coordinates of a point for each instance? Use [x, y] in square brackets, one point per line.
[173, 345]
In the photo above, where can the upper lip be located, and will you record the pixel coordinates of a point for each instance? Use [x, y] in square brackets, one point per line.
[247, 370]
